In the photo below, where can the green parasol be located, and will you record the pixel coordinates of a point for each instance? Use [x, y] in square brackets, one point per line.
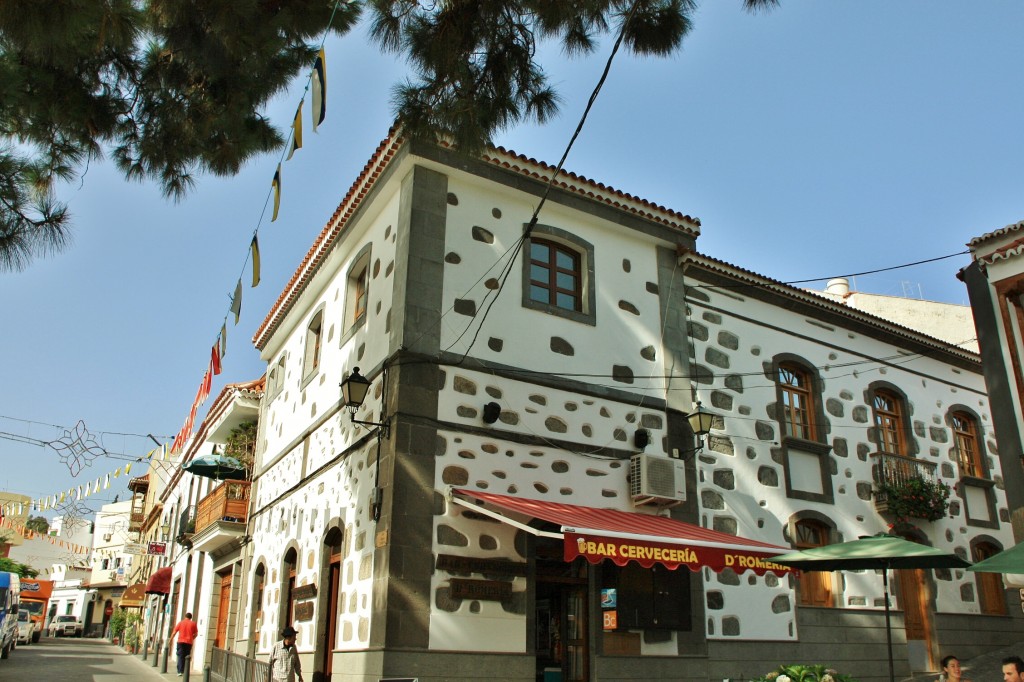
[876, 552]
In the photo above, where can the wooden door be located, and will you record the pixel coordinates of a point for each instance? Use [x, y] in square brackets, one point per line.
[576, 666]
[333, 581]
[914, 602]
[223, 608]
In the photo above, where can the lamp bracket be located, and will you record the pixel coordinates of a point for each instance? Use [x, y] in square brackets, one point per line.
[384, 426]
[686, 454]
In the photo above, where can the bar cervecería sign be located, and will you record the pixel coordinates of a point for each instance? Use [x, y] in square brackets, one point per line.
[671, 555]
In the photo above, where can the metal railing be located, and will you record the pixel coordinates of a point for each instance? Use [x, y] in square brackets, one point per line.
[897, 470]
[226, 666]
[227, 502]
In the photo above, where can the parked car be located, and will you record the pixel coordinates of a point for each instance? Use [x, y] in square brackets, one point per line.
[26, 627]
[65, 626]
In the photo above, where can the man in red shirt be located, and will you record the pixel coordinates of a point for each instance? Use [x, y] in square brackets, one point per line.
[186, 631]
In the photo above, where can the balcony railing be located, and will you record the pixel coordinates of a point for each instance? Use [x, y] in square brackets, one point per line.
[897, 470]
[226, 666]
[135, 521]
[227, 502]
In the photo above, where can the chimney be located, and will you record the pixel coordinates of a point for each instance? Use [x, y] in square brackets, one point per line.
[839, 286]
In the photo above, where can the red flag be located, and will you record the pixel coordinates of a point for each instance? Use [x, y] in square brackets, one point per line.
[215, 358]
[204, 390]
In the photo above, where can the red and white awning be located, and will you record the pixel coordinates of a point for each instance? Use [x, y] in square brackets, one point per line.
[621, 537]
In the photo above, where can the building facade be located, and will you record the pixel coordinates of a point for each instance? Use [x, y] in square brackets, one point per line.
[531, 374]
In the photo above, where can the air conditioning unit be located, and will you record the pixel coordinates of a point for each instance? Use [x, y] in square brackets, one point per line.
[657, 481]
[106, 537]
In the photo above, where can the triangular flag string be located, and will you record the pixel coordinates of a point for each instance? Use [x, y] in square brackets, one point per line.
[317, 83]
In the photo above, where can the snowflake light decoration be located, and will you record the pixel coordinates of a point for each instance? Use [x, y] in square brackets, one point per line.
[77, 448]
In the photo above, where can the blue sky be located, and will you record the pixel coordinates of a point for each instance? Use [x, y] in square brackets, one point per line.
[819, 139]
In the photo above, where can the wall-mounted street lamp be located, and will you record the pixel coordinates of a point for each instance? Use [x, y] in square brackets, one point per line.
[700, 424]
[353, 392]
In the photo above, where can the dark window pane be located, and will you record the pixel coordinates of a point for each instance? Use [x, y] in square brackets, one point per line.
[538, 273]
[565, 260]
[539, 294]
[565, 281]
[540, 252]
[565, 301]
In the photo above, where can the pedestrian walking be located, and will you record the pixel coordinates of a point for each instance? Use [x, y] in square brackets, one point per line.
[186, 632]
[284, 659]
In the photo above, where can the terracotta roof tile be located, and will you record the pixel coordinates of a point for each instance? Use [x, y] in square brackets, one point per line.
[997, 233]
[500, 157]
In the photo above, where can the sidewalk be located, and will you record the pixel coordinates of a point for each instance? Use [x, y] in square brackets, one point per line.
[148, 672]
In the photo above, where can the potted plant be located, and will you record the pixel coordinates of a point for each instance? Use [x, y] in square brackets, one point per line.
[804, 673]
[241, 443]
[914, 498]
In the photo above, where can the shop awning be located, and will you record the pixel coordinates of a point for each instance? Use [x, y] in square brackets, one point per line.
[134, 597]
[159, 582]
[621, 537]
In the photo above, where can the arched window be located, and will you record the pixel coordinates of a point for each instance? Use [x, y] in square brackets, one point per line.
[556, 276]
[889, 422]
[314, 336]
[815, 586]
[797, 401]
[965, 439]
[990, 585]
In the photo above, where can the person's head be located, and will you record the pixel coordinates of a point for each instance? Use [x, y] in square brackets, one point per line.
[288, 635]
[1013, 666]
[188, 616]
[951, 666]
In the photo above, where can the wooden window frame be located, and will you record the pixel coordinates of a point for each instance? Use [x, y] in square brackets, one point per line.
[889, 422]
[968, 445]
[803, 392]
[555, 241]
[549, 263]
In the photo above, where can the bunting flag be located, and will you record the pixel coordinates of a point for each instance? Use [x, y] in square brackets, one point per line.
[236, 301]
[204, 390]
[296, 132]
[106, 482]
[215, 365]
[224, 339]
[277, 192]
[319, 79]
[255, 248]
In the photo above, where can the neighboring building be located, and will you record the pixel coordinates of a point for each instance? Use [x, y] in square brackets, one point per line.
[71, 597]
[206, 520]
[453, 526]
[111, 563]
[995, 284]
[947, 322]
[14, 511]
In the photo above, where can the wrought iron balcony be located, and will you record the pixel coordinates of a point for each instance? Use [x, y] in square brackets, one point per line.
[897, 470]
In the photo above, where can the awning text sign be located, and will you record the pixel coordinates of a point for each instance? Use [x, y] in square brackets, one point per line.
[621, 551]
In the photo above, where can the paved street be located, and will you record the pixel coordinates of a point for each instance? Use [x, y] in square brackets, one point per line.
[79, 660]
